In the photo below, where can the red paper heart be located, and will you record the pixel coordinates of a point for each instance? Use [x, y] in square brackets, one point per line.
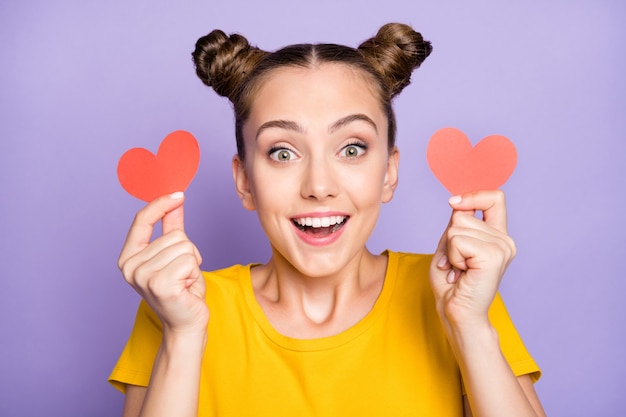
[463, 169]
[147, 176]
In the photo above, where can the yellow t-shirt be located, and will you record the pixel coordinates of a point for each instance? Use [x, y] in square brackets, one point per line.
[395, 362]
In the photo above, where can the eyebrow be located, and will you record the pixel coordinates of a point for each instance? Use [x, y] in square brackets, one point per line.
[280, 124]
[290, 125]
[352, 118]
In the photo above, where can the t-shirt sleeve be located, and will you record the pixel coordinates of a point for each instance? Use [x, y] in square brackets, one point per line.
[511, 343]
[135, 363]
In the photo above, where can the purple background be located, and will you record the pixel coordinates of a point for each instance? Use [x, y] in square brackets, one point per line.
[81, 82]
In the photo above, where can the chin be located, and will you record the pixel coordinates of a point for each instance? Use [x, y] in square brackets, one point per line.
[319, 264]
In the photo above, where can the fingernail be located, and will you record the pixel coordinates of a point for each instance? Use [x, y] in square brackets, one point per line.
[177, 196]
[455, 199]
[450, 277]
[442, 261]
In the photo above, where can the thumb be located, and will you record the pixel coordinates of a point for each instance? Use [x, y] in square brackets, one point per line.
[168, 209]
[174, 219]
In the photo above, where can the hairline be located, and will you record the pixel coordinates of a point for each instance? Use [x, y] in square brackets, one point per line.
[313, 60]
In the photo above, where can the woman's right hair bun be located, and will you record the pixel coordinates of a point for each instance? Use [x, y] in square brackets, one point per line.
[394, 53]
[223, 62]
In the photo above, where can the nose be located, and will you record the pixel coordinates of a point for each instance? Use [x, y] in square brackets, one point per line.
[319, 181]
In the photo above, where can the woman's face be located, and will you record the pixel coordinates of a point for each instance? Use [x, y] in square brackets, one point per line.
[317, 165]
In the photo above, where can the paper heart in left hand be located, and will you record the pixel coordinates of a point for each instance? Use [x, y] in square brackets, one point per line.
[462, 168]
[148, 176]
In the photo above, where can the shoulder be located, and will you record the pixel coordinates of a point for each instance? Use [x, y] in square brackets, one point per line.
[231, 273]
[227, 284]
[410, 274]
[409, 263]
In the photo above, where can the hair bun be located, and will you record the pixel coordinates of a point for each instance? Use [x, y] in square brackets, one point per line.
[394, 53]
[223, 62]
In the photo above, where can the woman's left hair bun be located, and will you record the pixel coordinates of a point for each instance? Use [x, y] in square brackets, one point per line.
[394, 53]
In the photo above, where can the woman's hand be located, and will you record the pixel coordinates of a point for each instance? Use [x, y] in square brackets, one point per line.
[166, 272]
[465, 274]
[471, 258]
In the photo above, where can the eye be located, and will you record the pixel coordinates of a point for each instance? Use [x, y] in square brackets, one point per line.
[281, 154]
[353, 150]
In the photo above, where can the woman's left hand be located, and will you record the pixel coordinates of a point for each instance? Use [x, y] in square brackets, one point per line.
[471, 258]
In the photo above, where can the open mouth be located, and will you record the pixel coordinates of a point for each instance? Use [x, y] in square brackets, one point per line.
[320, 225]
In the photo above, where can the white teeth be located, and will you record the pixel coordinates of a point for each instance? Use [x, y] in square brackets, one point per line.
[317, 222]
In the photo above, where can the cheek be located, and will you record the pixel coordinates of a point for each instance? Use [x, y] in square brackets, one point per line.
[272, 186]
[366, 185]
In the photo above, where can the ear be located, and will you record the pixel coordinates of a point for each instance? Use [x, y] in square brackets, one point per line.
[242, 183]
[391, 175]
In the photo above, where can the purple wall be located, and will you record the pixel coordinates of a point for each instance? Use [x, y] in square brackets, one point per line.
[81, 82]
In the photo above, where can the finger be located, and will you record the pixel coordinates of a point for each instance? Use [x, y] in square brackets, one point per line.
[170, 280]
[174, 220]
[480, 251]
[491, 203]
[153, 256]
[461, 250]
[195, 283]
[156, 260]
[143, 225]
[462, 223]
[444, 269]
[466, 246]
[439, 257]
[160, 244]
[182, 248]
[467, 253]
[458, 218]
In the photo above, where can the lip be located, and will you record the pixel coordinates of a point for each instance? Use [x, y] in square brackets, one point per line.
[314, 240]
[319, 214]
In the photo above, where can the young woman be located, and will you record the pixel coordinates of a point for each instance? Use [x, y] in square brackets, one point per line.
[324, 327]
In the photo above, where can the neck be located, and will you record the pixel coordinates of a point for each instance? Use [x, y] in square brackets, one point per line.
[302, 306]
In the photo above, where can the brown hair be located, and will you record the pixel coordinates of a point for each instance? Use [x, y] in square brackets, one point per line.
[235, 69]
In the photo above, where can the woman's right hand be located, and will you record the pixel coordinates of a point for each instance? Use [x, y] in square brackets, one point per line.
[166, 272]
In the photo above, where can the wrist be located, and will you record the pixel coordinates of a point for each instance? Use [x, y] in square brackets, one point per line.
[188, 342]
[175, 379]
[474, 343]
[461, 317]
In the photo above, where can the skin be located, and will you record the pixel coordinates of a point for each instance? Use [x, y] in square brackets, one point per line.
[316, 146]
[467, 268]
[310, 290]
[166, 273]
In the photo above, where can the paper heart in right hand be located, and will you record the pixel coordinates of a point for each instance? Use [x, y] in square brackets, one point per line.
[462, 168]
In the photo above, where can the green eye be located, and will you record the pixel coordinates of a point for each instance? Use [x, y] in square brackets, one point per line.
[281, 155]
[352, 151]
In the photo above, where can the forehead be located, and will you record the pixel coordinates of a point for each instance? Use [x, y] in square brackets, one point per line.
[326, 90]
